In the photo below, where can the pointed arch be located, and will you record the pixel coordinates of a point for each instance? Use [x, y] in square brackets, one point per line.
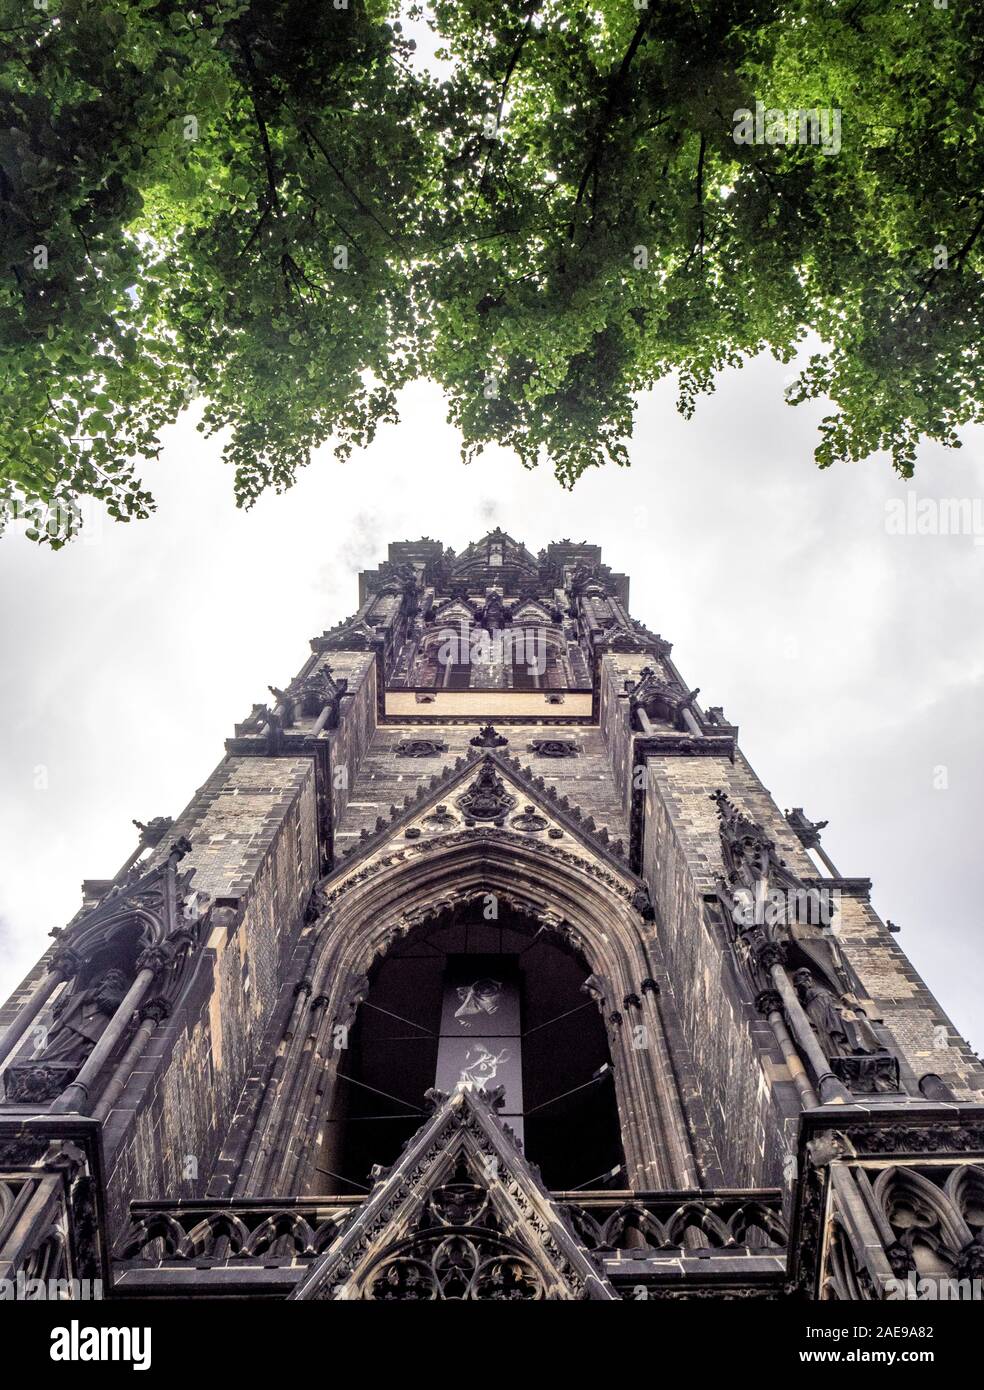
[585, 900]
[923, 1217]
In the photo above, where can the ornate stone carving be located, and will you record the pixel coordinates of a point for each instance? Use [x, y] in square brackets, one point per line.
[154, 831]
[669, 1221]
[886, 1222]
[855, 1051]
[660, 700]
[157, 1009]
[529, 822]
[460, 1264]
[316, 905]
[420, 748]
[441, 818]
[773, 918]
[808, 831]
[22, 1151]
[354, 636]
[878, 1072]
[81, 1019]
[460, 1216]
[843, 1031]
[488, 737]
[66, 962]
[643, 904]
[307, 696]
[585, 581]
[37, 1082]
[155, 958]
[600, 991]
[629, 636]
[356, 989]
[193, 1232]
[554, 748]
[487, 799]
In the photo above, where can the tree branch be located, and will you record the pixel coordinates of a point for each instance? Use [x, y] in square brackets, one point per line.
[510, 69]
[615, 83]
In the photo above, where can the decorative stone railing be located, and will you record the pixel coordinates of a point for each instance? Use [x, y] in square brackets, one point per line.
[248, 1229]
[676, 1221]
[264, 1245]
[199, 1231]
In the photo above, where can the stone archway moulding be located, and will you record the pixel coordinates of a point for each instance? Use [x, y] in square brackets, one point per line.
[586, 903]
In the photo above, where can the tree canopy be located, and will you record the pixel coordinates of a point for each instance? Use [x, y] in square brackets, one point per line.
[273, 207]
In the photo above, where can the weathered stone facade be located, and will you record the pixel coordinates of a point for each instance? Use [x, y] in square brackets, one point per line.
[183, 1050]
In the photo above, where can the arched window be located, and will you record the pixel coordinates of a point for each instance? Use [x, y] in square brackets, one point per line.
[495, 1002]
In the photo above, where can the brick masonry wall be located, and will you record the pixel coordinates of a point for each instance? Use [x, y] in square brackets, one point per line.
[358, 719]
[384, 778]
[746, 1087]
[927, 1040]
[26, 988]
[613, 719]
[253, 830]
[746, 1090]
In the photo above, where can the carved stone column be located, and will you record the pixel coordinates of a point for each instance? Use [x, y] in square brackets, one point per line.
[769, 1002]
[152, 1012]
[63, 966]
[76, 1096]
[830, 1089]
[254, 1149]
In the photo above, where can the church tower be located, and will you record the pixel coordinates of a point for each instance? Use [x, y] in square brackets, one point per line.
[484, 967]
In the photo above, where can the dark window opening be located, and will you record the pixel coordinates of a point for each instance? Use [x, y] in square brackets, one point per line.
[526, 1024]
[458, 676]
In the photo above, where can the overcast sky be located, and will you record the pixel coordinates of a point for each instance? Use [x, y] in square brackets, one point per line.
[851, 657]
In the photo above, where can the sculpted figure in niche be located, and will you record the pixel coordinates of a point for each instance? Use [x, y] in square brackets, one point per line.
[82, 1018]
[844, 1031]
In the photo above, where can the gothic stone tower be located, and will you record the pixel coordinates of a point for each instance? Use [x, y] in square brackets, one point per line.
[483, 966]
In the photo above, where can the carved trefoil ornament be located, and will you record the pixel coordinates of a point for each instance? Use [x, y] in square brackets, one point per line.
[420, 748]
[487, 798]
[554, 748]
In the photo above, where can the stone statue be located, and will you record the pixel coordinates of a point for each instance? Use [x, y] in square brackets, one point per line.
[863, 1037]
[844, 1030]
[82, 1018]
